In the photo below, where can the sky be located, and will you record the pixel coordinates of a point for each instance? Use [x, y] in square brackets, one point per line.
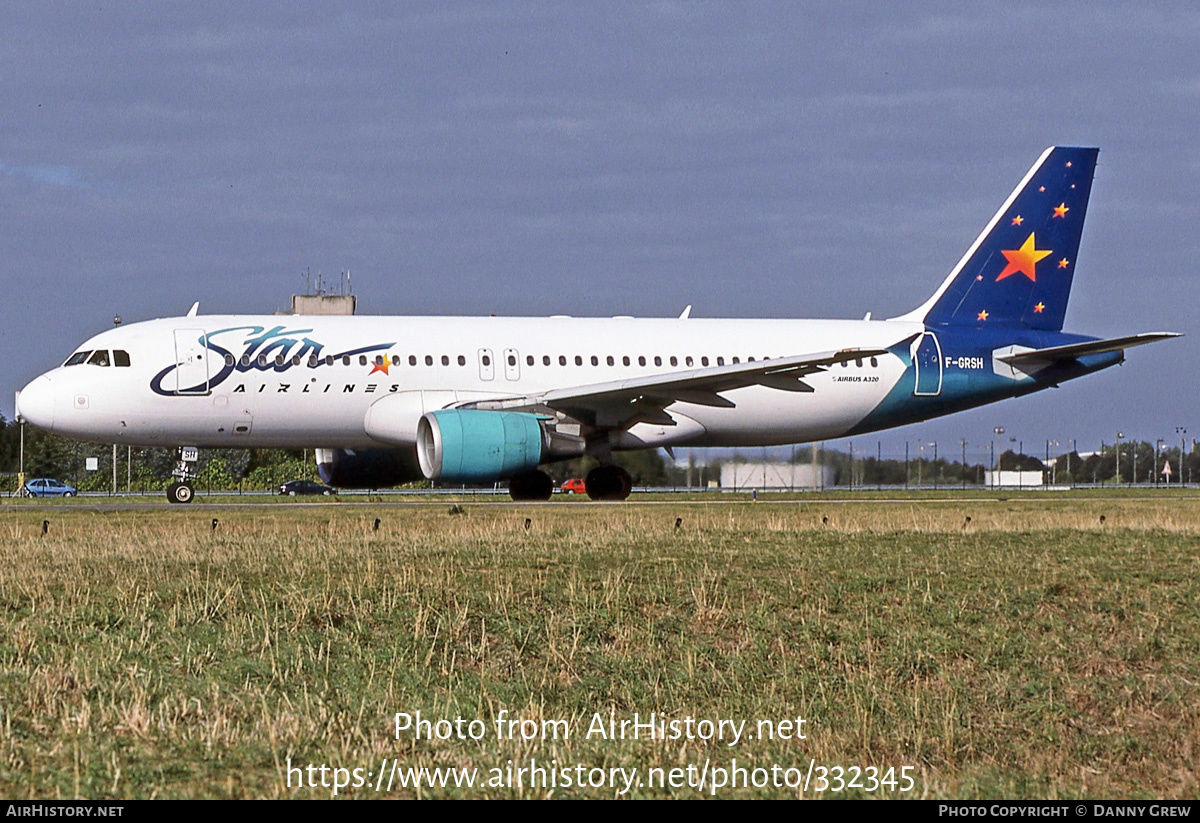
[752, 160]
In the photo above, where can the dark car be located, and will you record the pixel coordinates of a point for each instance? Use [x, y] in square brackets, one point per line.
[574, 486]
[295, 487]
[47, 487]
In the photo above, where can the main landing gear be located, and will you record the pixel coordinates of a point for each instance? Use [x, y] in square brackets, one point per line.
[181, 491]
[534, 485]
[608, 483]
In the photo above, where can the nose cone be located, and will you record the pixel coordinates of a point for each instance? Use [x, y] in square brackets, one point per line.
[35, 403]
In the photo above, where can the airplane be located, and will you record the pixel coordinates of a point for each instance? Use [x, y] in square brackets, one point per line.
[481, 400]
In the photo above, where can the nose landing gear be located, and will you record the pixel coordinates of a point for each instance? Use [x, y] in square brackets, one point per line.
[181, 491]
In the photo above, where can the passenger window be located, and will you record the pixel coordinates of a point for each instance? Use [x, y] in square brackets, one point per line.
[428, 360]
[545, 360]
[703, 361]
[641, 359]
[625, 360]
[346, 360]
[229, 361]
[279, 360]
[720, 361]
[98, 358]
[329, 360]
[578, 360]
[674, 360]
[688, 360]
[512, 360]
[610, 360]
[412, 360]
[595, 360]
[736, 361]
[313, 361]
[395, 360]
[529, 360]
[362, 360]
[874, 363]
[445, 360]
[562, 360]
[121, 358]
[462, 361]
[487, 361]
[657, 360]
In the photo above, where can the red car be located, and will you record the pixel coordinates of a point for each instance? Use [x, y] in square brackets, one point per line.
[574, 486]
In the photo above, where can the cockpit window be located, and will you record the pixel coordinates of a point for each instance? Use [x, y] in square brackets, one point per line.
[120, 358]
[99, 358]
[77, 358]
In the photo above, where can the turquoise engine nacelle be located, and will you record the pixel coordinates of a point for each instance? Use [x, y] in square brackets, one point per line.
[474, 446]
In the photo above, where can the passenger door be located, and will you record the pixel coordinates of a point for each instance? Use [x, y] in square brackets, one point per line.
[928, 361]
[191, 362]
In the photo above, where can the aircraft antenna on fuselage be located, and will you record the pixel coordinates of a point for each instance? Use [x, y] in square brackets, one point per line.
[687, 311]
[194, 309]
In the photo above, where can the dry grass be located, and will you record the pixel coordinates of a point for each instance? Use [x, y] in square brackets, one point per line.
[1032, 651]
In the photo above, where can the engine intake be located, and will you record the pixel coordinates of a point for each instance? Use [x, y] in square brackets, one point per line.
[478, 446]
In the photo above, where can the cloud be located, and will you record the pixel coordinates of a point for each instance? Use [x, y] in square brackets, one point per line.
[50, 175]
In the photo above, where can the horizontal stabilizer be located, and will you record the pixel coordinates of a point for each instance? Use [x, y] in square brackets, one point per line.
[1074, 350]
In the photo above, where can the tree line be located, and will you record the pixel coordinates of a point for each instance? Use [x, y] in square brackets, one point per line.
[142, 469]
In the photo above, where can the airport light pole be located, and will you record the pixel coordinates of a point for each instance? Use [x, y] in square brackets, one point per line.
[962, 441]
[1181, 433]
[999, 432]
[935, 468]
[1117, 447]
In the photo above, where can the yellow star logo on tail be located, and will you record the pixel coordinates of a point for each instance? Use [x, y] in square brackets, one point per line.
[1023, 260]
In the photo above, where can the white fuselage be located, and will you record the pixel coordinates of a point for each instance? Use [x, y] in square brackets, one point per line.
[310, 381]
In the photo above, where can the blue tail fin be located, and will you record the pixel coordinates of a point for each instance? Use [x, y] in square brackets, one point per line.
[1019, 270]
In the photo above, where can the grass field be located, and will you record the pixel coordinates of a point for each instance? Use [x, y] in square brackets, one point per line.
[1018, 648]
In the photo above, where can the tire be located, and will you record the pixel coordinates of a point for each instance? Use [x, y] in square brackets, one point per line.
[535, 485]
[608, 483]
[180, 493]
[68, 494]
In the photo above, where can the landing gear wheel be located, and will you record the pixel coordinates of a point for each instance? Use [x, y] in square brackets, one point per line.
[180, 493]
[535, 485]
[608, 483]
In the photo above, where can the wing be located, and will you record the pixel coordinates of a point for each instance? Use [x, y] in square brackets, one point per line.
[619, 404]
